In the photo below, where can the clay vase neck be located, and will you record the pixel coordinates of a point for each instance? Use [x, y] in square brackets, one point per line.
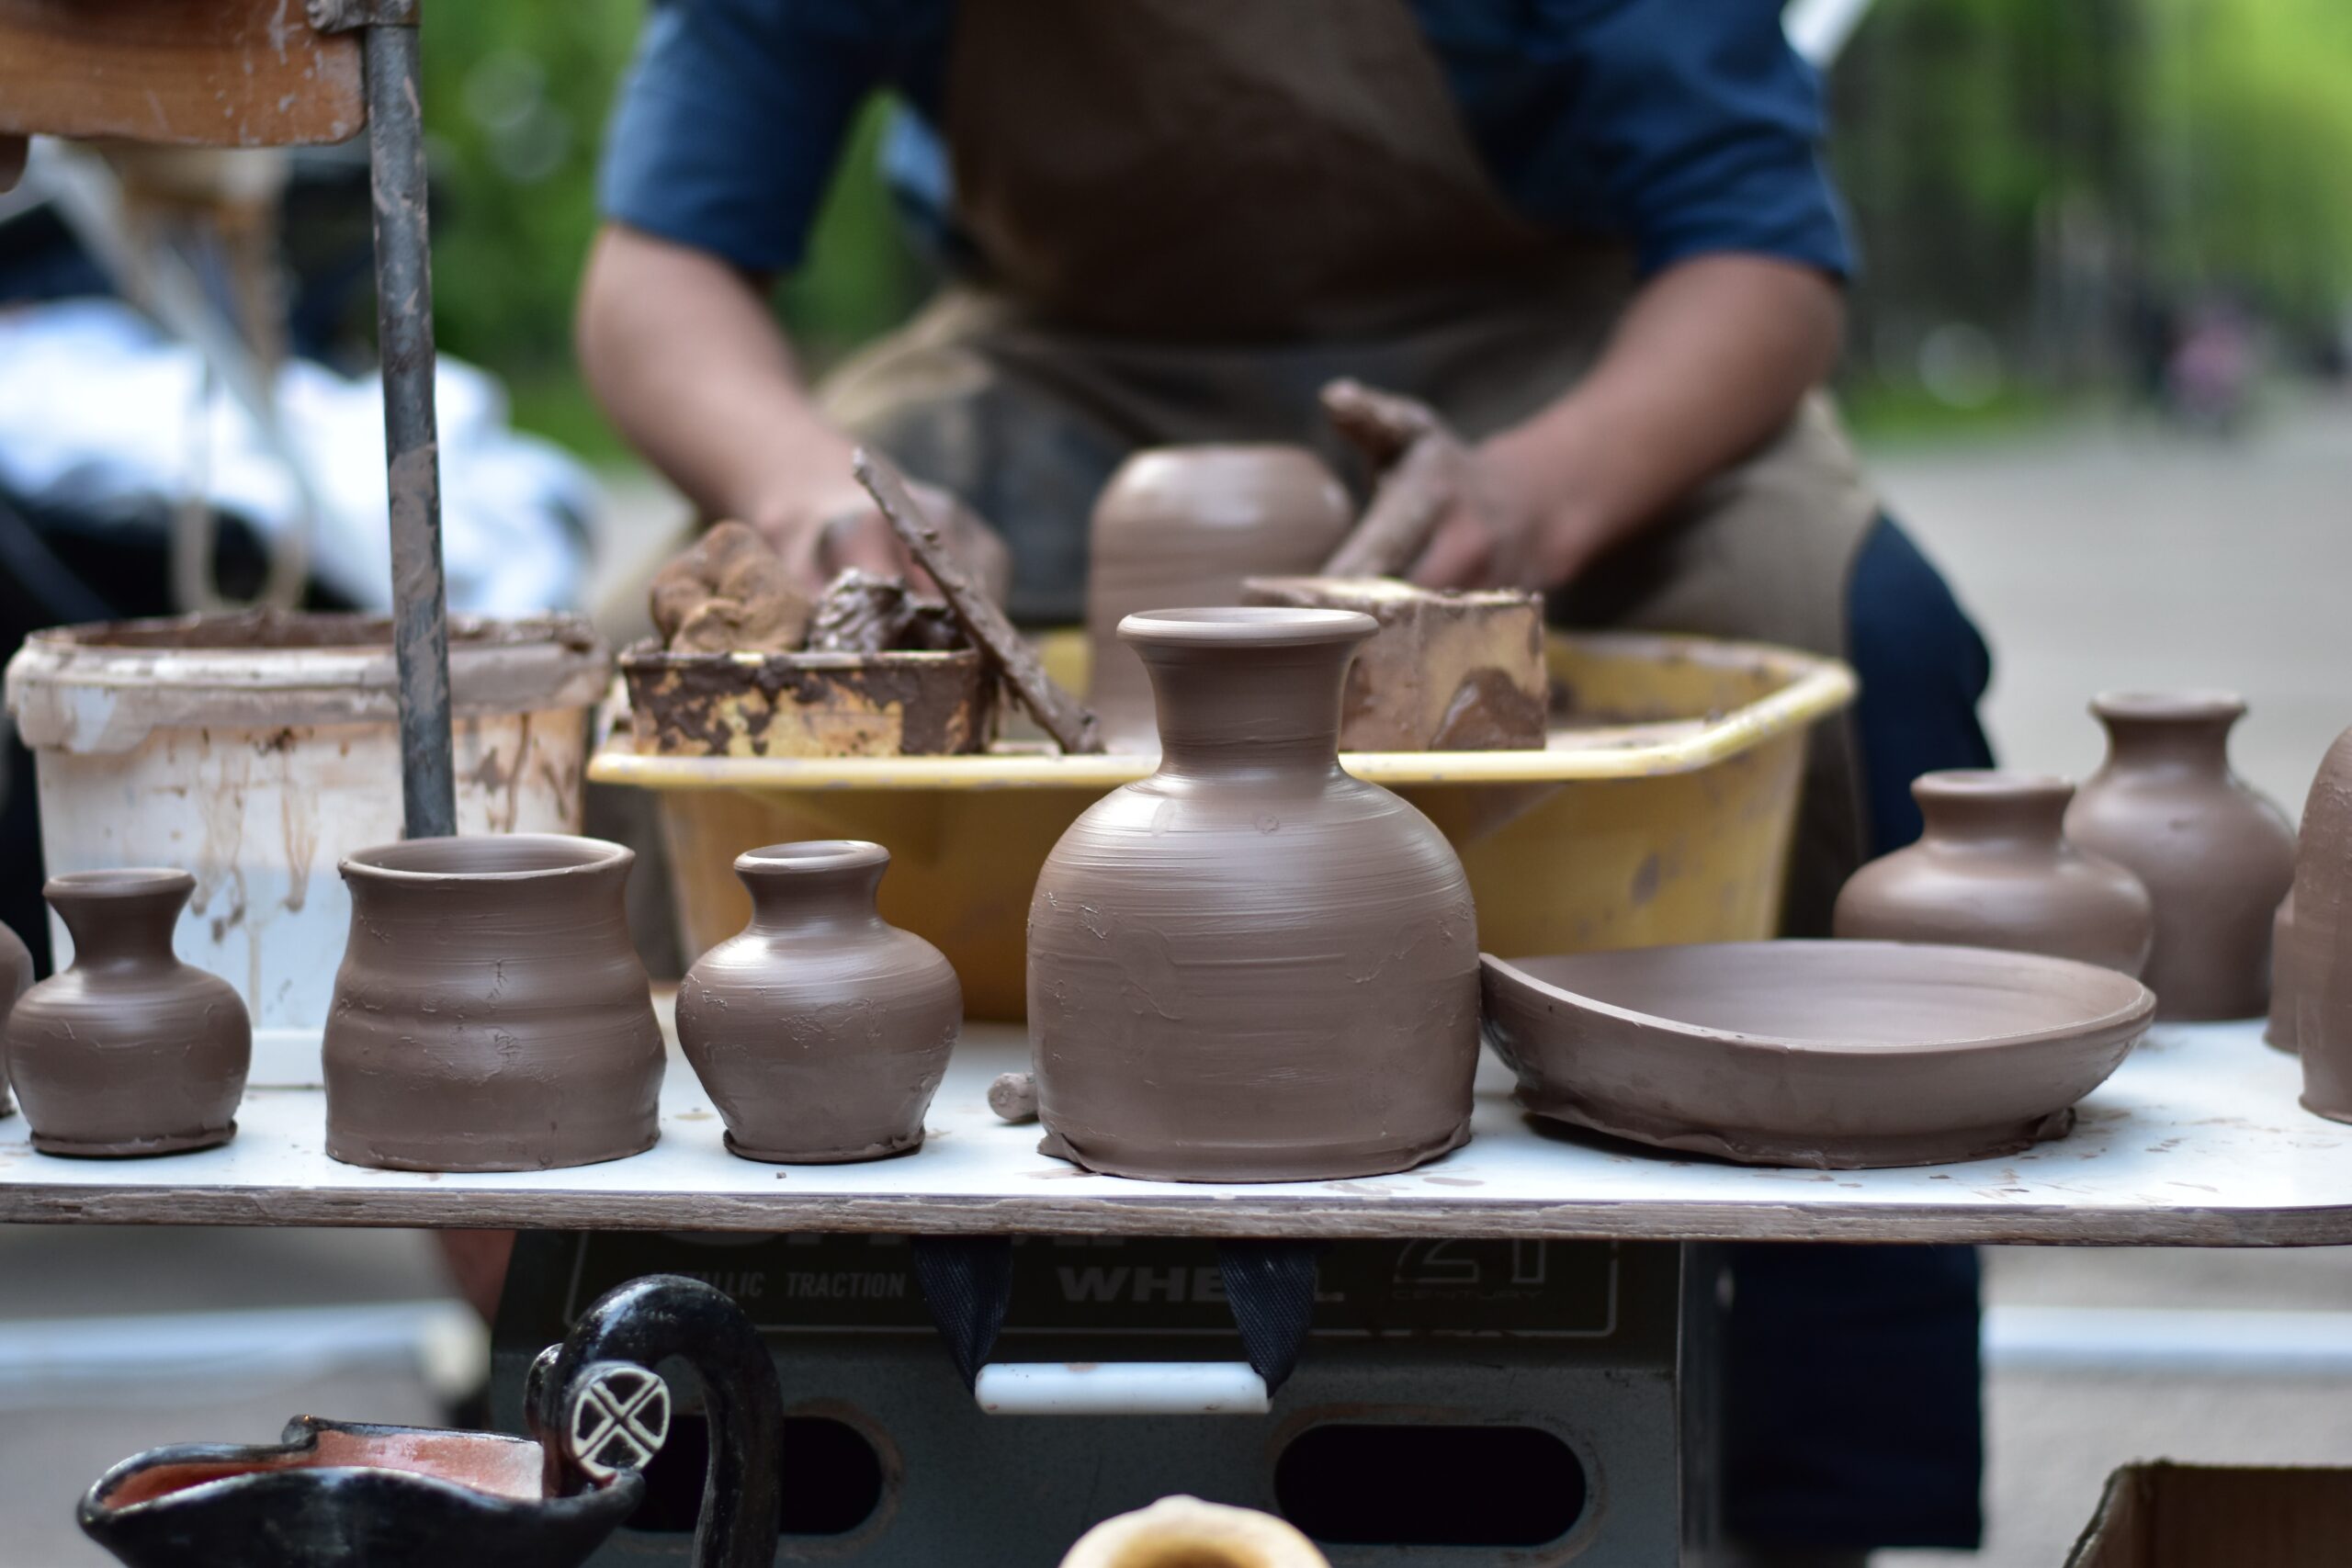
[2003, 813]
[122, 921]
[826, 887]
[1250, 693]
[2188, 734]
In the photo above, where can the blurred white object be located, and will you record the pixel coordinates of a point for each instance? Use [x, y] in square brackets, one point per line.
[98, 408]
[1818, 29]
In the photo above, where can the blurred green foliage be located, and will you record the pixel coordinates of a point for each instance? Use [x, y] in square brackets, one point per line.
[2039, 171]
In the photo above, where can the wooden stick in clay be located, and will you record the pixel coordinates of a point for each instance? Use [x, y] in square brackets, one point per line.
[1063, 716]
[1420, 462]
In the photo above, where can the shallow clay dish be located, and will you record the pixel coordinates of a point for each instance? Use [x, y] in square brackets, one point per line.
[1826, 1055]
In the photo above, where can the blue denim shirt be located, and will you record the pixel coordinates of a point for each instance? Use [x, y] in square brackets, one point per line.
[1683, 127]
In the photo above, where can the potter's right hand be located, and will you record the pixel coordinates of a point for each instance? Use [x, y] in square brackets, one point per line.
[824, 532]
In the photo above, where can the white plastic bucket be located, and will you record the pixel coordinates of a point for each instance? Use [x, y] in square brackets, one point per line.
[257, 750]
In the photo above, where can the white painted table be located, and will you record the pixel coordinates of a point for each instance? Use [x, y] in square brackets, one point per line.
[2197, 1141]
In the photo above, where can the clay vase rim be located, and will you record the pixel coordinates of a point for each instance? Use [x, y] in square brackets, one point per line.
[1246, 625]
[2134, 1007]
[124, 882]
[477, 857]
[1990, 784]
[2189, 705]
[807, 857]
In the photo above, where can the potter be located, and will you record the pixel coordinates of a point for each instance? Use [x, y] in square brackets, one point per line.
[2215, 857]
[1172, 245]
[820, 1032]
[1252, 966]
[129, 1051]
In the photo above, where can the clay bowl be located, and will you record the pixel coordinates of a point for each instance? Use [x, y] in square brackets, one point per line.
[1825, 1054]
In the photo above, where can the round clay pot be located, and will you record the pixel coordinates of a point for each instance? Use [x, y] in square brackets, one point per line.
[1993, 869]
[2317, 962]
[16, 979]
[2215, 856]
[2285, 989]
[129, 1051]
[820, 1032]
[1184, 525]
[1252, 965]
[490, 1012]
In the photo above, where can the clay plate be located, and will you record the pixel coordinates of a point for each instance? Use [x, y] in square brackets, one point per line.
[1826, 1054]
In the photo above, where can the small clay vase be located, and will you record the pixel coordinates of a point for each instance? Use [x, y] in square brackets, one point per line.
[490, 1012]
[1993, 869]
[1252, 965]
[2317, 962]
[1184, 525]
[127, 1051]
[16, 979]
[2214, 856]
[2285, 989]
[820, 1032]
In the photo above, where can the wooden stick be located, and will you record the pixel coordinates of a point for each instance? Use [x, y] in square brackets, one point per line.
[1420, 462]
[1064, 717]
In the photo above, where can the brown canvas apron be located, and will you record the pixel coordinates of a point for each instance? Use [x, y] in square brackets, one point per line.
[1195, 212]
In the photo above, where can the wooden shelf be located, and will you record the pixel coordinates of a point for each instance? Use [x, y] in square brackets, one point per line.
[2198, 1140]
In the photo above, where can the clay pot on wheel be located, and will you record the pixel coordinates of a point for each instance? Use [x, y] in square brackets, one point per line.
[1993, 869]
[2214, 856]
[490, 1012]
[820, 1032]
[16, 979]
[130, 1051]
[1184, 525]
[1252, 965]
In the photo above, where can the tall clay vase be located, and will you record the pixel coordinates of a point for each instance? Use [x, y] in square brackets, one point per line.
[490, 1012]
[1184, 525]
[1252, 965]
[130, 1051]
[2318, 960]
[2215, 856]
[820, 1032]
[16, 979]
[1993, 869]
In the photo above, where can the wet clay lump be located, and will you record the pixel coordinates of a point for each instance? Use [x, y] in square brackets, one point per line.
[1252, 965]
[490, 1012]
[2215, 857]
[1994, 869]
[128, 1052]
[820, 1031]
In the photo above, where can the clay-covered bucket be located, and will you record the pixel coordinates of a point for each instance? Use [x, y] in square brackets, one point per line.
[258, 749]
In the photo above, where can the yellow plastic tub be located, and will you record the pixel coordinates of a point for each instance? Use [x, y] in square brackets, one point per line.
[1661, 814]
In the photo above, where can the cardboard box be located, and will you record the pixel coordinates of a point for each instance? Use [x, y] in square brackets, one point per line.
[2190, 1516]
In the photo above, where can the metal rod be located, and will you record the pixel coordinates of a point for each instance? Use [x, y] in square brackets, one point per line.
[412, 449]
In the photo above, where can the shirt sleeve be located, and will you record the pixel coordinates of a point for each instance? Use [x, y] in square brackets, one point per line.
[1697, 127]
[732, 116]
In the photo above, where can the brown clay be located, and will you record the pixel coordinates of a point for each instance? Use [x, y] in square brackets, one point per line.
[2215, 857]
[1252, 965]
[2285, 985]
[16, 979]
[860, 612]
[490, 1012]
[820, 1032]
[1826, 1054]
[1061, 715]
[728, 592]
[1422, 465]
[1994, 869]
[129, 1051]
[2318, 962]
[1013, 1097]
[1184, 525]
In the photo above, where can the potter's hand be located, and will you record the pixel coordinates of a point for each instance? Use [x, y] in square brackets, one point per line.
[1448, 514]
[822, 533]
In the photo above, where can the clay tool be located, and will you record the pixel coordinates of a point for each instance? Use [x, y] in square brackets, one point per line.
[1419, 461]
[1063, 716]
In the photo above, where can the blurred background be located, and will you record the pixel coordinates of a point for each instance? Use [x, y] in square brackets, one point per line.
[2098, 357]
